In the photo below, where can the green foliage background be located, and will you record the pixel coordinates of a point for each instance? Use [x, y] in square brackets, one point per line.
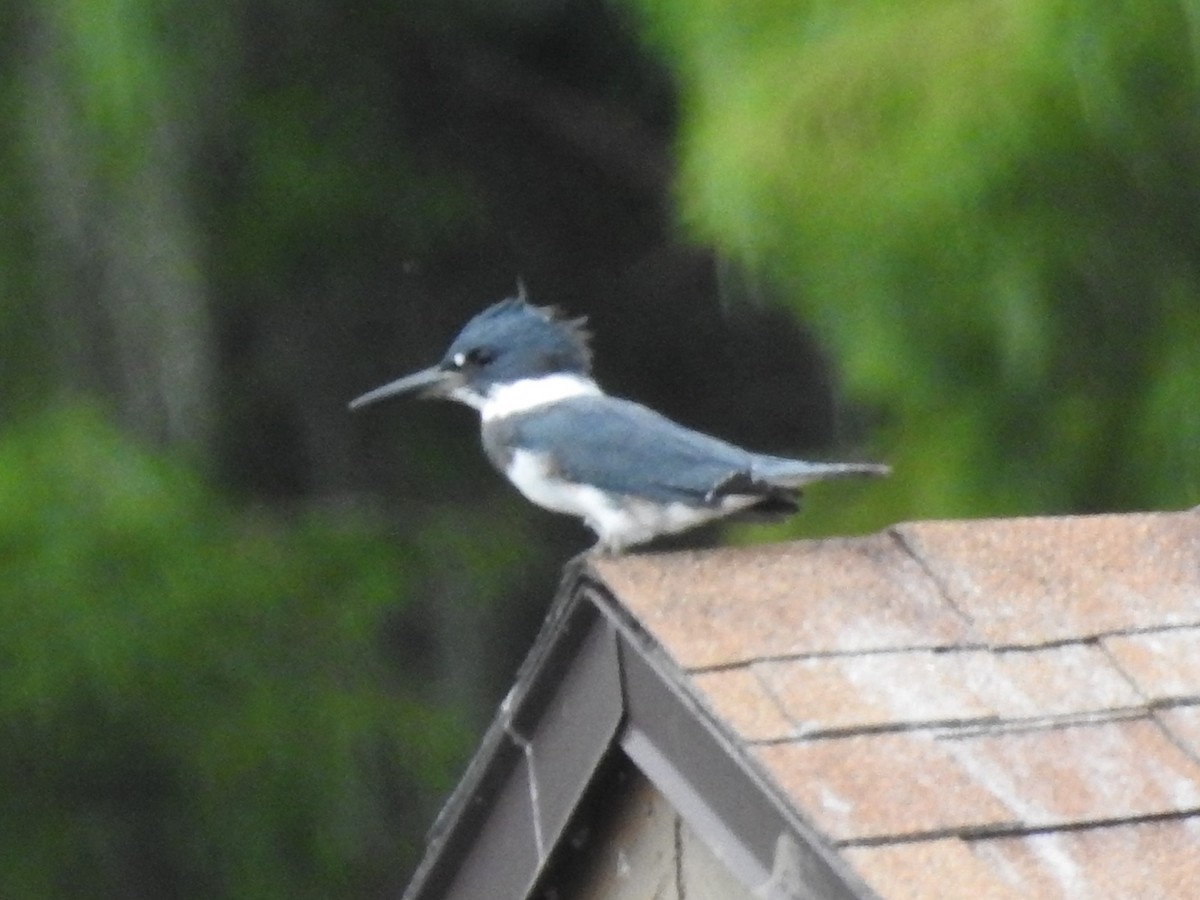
[190, 700]
[245, 639]
[990, 210]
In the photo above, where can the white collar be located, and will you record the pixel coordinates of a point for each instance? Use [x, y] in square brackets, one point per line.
[529, 393]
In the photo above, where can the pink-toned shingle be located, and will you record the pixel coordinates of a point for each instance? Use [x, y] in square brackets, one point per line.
[1183, 727]
[1165, 665]
[943, 869]
[731, 606]
[873, 690]
[738, 696]
[1066, 679]
[1038, 580]
[927, 695]
[1155, 860]
[1063, 680]
[1051, 777]
[904, 688]
[913, 783]
[871, 786]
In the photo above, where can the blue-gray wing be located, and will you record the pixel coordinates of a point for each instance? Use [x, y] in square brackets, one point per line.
[620, 446]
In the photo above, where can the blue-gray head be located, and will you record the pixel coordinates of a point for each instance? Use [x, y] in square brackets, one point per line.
[509, 342]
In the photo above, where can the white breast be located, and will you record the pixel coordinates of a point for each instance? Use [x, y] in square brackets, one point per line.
[619, 522]
[532, 475]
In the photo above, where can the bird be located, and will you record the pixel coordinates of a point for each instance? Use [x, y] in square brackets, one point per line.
[630, 473]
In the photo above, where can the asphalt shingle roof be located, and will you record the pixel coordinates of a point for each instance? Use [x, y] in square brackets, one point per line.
[989, 708]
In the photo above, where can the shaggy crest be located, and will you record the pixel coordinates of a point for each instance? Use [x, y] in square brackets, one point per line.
[545, 326]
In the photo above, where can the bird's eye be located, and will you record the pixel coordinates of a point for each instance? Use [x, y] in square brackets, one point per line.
[479, 356]
[475, 358]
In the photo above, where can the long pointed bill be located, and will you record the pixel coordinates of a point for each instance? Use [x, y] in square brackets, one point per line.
[432, 382]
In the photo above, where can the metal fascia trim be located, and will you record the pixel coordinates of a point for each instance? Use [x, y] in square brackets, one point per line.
[535, 761]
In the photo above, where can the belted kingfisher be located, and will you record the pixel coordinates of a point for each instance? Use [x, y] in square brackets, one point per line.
[628, 472]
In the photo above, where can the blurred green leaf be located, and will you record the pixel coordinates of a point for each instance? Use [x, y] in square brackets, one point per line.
[195, 702]
[989, 209]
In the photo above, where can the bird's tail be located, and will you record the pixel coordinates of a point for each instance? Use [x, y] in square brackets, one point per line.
[796, 473]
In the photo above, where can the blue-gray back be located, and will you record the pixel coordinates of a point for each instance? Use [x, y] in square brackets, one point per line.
[623, 447]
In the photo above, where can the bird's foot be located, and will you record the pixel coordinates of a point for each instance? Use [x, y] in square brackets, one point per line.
[604, 549]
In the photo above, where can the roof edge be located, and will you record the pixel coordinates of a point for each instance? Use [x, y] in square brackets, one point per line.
[697, 763]
[593, 681]
[552, 728]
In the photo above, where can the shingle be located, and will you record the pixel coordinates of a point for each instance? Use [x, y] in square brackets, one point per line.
[1038, 580]
[980, 709]
[932, 662]
[911, 783]
[870, 786]
[882, 689]
[731, 606]
[1183, 727]
[1146, 860]
[877, 689]
[1052, 681]
[1165, 665]
[738, 697]
[943, 869]
[1085, 773]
